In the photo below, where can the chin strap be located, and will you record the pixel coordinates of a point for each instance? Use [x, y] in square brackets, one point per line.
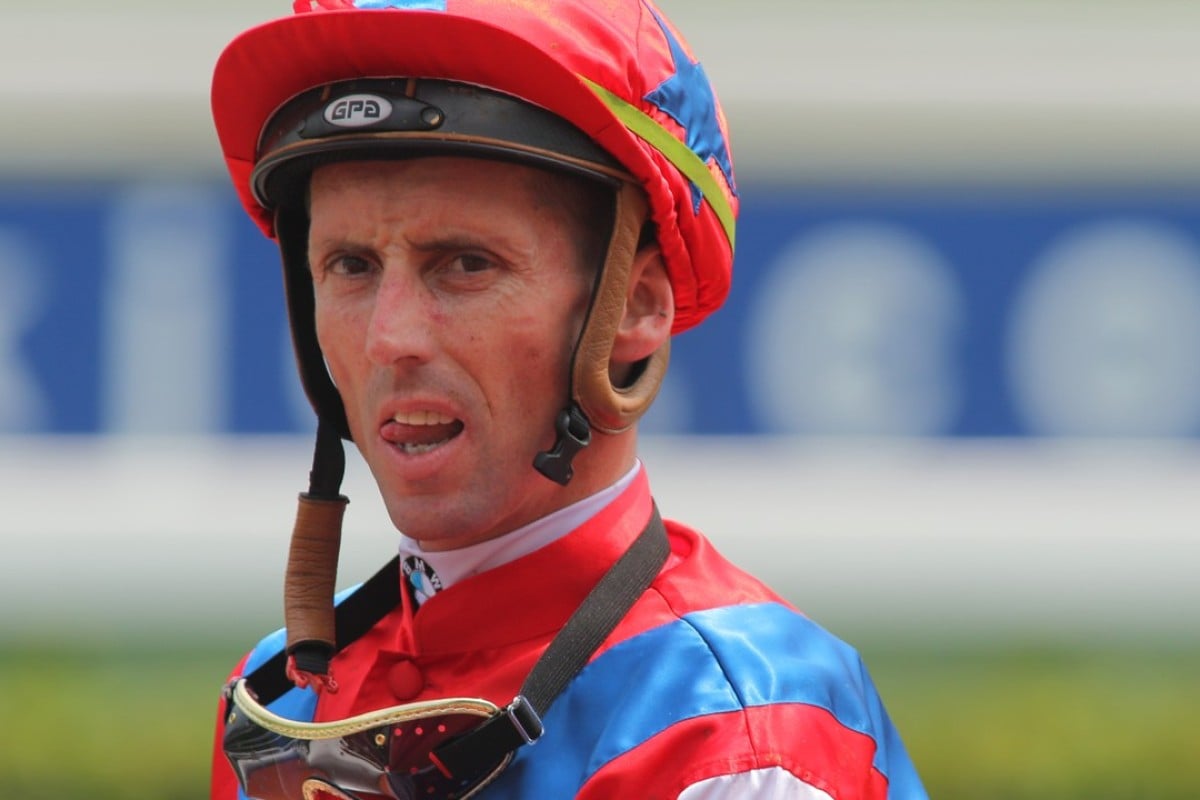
[312, 567]
[595, 403]
[573, 433]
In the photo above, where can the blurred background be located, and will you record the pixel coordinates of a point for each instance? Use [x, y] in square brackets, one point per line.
[951, 409]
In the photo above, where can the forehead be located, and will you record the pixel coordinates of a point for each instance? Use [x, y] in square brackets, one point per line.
[452, 190]
[451, 175]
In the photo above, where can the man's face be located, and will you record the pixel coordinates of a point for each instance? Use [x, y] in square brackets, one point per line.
[449, 293]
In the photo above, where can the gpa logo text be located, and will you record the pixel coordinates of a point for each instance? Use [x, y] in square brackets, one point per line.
[357, 110]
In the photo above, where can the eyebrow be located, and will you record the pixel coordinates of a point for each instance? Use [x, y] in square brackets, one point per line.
[434, 242]
[446, 242]
[505, 247]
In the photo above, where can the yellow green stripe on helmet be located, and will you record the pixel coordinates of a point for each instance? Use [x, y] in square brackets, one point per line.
[675, 151]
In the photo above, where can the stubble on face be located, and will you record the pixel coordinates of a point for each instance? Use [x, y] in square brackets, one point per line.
[494, 264]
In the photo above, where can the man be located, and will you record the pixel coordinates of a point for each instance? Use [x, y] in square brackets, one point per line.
[492, 217]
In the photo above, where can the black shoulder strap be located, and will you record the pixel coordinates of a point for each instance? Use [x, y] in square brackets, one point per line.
[605, 606]
[354, 616]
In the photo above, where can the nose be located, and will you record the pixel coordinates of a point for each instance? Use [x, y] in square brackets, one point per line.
[400, 328]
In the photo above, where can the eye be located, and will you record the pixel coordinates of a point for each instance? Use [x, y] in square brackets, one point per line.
[472, 263]
[348, 264]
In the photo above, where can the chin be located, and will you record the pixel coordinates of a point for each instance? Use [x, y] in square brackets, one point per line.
[432, 520]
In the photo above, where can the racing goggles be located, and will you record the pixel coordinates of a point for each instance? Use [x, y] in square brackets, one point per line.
[403, 752]
[434, 750]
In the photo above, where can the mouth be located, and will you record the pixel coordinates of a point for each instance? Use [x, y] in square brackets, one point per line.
[422, 431]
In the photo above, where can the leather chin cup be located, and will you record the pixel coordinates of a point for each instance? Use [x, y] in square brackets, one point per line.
[610, 408]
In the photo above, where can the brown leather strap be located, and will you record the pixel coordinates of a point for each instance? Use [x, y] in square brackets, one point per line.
[609, 408]
[312, 571]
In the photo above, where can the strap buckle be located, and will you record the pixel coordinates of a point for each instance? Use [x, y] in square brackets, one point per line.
[525, 719]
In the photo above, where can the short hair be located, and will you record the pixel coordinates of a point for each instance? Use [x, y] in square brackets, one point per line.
[590, 209]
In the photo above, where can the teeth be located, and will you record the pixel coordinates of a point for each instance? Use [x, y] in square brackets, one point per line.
[417, 449]
[423, 417]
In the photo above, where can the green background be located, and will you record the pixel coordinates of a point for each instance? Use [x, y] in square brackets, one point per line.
[1002, 720]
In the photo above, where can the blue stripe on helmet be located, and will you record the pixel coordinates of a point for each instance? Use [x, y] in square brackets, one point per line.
[412, 5]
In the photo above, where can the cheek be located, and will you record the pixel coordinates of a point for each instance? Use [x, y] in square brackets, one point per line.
[561, 333]
[524, 369]
[327, 335]
[337, 321]
[544, 361]
[339, 340]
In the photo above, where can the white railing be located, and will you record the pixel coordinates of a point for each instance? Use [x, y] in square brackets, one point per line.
[1055, 539]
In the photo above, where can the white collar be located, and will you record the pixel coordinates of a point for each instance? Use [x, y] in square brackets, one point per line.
[452, 566]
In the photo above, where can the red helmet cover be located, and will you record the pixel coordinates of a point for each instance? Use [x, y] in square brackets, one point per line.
[607, 66]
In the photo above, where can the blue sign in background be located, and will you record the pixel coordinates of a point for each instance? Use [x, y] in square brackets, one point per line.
[151, 307]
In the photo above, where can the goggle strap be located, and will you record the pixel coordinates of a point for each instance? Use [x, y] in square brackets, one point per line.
[482, 748]
[605, 606]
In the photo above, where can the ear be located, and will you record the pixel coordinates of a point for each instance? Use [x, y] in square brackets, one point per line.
[648, 315]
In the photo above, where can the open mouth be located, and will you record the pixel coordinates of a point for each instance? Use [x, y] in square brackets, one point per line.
[417, 432]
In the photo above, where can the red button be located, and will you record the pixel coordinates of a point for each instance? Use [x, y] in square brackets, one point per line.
[405, 680]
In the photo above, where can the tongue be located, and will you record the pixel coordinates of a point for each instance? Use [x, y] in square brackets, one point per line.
[397, 433]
